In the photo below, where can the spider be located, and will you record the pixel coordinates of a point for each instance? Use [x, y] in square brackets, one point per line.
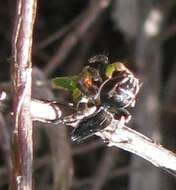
[108, 88]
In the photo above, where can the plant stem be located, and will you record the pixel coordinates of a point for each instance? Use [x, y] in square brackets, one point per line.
[22, 144]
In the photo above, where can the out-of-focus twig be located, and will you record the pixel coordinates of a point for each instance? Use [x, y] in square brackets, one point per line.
[81, 149]
[5, 141]
[116, 173]
[104, 168]
[22, 146]
[148, 65]
[95, 8]
[80, 57]
[168, 121]
[58, 34]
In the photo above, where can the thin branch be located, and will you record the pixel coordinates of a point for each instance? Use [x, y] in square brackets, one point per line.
[147, 113]
[132, 141]
[22, 146]
[123, 137]
[45, 111]
[53, 112]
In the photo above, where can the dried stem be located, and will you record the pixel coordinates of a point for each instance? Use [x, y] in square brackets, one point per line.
[22, 145]
[132, 141]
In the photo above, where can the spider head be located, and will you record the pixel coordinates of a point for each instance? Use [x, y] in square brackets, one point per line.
[90, 81]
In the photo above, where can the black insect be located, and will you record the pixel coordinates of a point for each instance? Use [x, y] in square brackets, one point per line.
[92, 124]
[112, 99]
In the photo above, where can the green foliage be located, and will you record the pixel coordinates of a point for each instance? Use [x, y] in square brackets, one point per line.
[65, 83]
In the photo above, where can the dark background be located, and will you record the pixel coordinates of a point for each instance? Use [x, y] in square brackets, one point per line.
[79, 29]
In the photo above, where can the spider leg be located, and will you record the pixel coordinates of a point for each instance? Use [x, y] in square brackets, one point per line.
[121, 112]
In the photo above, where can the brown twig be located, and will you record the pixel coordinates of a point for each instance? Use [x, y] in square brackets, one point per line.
[95, 8]
[104, 169]
[81, 149]
[58, 34]
[147, 113]
[168, 121]
[116, 173]
[22, 145]
[83, 49]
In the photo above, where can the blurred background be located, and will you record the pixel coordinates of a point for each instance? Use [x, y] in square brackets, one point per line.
[140, 33]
